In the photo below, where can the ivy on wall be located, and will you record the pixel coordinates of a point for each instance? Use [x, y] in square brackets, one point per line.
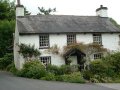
[28, 51]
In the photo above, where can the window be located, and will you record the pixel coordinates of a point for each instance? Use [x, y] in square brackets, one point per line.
[119, 40]
[45, 60]
[71, 38]
[97, 39]
[98, 56]
[44, 41]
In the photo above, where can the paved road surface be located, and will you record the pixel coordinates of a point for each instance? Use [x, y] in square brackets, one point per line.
[110, 85]
[10, 82]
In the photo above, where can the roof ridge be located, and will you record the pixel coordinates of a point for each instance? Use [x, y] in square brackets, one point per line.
[55, 15]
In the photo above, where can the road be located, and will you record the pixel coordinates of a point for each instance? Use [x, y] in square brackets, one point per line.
[11, 82]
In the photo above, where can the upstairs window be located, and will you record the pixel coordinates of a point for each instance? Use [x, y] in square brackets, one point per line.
[98, 56]
[45, 60]
[44, 40]
[97, 39]
[71, 38]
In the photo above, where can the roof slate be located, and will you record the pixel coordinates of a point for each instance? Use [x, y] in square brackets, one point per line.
[65, 24]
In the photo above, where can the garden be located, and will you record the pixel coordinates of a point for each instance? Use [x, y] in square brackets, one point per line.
[105, 70]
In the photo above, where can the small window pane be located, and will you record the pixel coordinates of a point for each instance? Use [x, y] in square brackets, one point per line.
[71, 38]
[98, 56]
[44, 41]
[97, 39]
[45, 60]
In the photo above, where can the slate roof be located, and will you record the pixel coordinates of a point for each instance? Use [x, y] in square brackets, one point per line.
[65, 24]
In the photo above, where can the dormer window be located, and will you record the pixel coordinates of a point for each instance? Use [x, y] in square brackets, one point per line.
[44, 40]
[97, 39]
[71, 38]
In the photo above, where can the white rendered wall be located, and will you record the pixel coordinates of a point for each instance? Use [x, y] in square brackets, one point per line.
[84, 38]
[109, 41]
[30, 39]
[60, 40]
[16, 48]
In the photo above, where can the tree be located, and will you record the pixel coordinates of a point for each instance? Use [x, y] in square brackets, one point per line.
[43, 11]
[7, 10]
[114, 22]
[6, 36]
[26, 12]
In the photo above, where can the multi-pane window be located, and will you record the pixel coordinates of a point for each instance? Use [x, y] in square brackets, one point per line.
[44, 40]
[119, 40]
[71, 38]
[98, 56]
[97, 39]
[45, 60]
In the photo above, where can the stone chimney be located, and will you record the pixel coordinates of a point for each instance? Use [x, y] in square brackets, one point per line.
[102, 11]
[19, 9]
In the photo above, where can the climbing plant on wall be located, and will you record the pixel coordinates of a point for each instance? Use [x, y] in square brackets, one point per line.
[28, 51]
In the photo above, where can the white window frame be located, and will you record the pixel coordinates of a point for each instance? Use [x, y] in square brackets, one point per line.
[45, 60]
[97, 56]
[119, 40]
[44, 40]
[97, 39]
[71, 38]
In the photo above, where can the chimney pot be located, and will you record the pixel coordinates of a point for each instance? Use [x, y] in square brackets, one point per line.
[101, 6]
[18, 2]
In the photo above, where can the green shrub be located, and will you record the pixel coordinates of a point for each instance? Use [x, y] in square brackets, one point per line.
[67, 69]
[53, 69]
[13, 69]
[6, 60]
[98, 67]
[101, 68]
[49, 77]
[99, 79]
[75, 77]
[64, 69]
[59, 78]
[10, 66]
[87, 74]
[32, 69]
[114, 61]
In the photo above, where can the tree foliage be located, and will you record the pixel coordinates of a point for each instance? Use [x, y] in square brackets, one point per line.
[43, 11]
[6, 36]
[114, 22]
[26, 11]
[7, 10]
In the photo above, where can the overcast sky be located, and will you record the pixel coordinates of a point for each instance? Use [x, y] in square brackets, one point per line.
[75, 7]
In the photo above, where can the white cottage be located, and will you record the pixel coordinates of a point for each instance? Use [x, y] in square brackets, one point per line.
[45, 31]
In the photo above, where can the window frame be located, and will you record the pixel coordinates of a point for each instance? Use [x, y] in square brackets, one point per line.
[119, 40]
[97, 56]
[46, 60]
[44, 47]
[68, 41]
[97, 38]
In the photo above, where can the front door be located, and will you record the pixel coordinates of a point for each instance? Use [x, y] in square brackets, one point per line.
[80, 62]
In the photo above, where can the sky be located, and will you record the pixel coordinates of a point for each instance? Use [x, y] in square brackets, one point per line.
[75, 7]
